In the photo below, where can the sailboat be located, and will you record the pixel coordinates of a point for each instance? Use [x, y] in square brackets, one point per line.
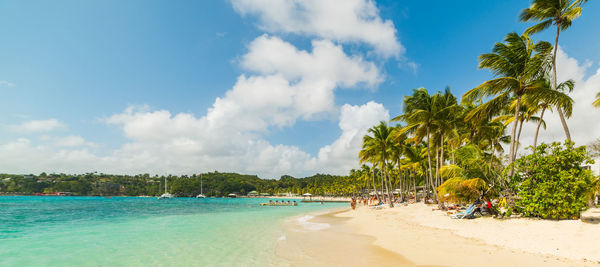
[166, 194]
[201, 195]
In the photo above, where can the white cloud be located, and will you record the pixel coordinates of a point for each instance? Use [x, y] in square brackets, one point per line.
[6, 84]
[342, 155]
[34, 126]
[71, 141]
[583, 123]
[282, 84]
[162, 143]
[341, 20]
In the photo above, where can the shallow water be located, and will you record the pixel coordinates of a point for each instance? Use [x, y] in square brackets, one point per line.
[129, 231]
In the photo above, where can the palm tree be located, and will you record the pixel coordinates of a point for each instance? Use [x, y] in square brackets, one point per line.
[560, 13]
[518, 63]
[429, 116]
[597, 102]
[376, 148]
[545, 98]
[419, 113]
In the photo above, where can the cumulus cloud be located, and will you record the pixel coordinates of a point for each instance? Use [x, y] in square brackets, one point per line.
[281, 85]
[342, 154]
[288, 84]
[34, 126]
[583, 123]
[341, 20]
[161, 143]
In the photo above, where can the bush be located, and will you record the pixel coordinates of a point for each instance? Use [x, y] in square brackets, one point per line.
[553, 184]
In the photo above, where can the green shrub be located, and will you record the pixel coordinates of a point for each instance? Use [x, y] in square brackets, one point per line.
[553, 184]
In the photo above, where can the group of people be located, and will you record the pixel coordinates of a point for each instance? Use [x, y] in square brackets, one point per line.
[372, 201]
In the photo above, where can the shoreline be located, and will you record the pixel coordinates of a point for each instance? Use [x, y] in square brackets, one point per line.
[414, 235]
[323, 239]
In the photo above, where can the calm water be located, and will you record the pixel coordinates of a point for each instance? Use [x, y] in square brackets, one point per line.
[127, 231]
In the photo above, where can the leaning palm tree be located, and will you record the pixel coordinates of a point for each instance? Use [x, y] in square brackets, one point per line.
[560, 13]
[518, 63]
[545, 98]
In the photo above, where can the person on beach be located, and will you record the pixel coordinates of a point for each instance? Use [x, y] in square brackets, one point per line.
[353, 203]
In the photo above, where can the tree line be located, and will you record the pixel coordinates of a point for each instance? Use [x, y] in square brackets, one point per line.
[212, 184]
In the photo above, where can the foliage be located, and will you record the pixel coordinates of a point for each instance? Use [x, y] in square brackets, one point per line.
[468, 179]
[553, 184]
[213, 183]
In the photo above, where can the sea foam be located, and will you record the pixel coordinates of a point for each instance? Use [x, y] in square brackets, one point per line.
[304, 221]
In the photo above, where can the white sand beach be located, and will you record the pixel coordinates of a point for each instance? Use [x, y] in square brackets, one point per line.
[414, 235]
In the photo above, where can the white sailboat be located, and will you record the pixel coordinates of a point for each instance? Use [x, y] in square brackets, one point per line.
[166, 194]
[201, 195]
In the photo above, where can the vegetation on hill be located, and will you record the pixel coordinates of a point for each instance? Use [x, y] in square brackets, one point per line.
[213, 184]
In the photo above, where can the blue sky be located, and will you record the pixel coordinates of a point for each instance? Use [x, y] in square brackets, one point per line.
[81, 63]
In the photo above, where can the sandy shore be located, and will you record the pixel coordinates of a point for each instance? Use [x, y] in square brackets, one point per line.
[414, 235]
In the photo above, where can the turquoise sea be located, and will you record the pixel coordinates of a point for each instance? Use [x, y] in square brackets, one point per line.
[132, 231]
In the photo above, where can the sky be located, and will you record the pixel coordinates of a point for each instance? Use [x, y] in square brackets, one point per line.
[257, 87]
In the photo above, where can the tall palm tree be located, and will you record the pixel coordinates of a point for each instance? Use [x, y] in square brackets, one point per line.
[419, 113]
[376, 147]
[426, 117]
[560, 13]
[518, 63]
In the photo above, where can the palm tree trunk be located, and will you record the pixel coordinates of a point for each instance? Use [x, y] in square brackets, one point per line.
[429, 160]
[440, 182]
[381, 178]
[374, 185]
[554, 85]
[414, 187]
[512, 137]
[437, 166]
[518, 140]
[492, 155]
[387, 180]
[537, 130]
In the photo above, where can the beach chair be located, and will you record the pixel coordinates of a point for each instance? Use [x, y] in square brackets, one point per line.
[462, 215]
[378, 206]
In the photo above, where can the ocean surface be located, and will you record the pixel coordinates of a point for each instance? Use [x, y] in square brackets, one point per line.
[132, 231]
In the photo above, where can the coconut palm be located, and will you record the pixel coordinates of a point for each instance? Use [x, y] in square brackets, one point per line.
[545, 98]
[560, 13]
[376, 149]
[518, 63]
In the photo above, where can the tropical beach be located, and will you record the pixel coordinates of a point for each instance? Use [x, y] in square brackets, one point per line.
[300, 133]
[398, 236]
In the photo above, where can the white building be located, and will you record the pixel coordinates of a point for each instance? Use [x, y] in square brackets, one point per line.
[595, 167]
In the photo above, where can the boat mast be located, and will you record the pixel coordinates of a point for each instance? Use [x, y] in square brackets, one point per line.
[165, 184]
[201, 184]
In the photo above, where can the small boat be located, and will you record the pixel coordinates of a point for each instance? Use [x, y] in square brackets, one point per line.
[201, 195]
[166, 194]
[271, 203]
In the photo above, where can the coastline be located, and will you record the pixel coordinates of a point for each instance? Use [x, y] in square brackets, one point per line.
[324, 239]
[414, 235]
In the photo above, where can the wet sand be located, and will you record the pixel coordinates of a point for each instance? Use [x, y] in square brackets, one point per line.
[327, 240]
[366, 237]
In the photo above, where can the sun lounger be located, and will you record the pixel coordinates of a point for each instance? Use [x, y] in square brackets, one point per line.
[378, 206]
[462, 215]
